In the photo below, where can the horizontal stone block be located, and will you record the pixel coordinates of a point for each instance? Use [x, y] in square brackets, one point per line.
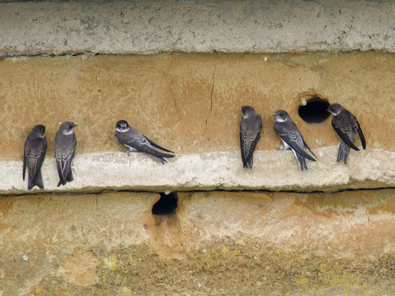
[147, 27]
[275, 170]
[191, 103]
[214, 243]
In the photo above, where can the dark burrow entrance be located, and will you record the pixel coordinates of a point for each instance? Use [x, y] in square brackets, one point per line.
[315, 110]
[166, 205]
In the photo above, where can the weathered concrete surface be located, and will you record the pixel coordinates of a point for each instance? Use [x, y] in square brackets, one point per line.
[190, 103]
[276, 170]
[146, 27]
[111, 244]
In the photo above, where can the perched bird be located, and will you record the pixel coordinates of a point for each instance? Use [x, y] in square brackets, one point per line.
[250, 133]
[136, 141]
[35, 149]
[65, 143]
[346, 125]
[292, 138]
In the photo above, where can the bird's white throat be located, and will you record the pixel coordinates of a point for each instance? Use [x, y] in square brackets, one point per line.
[123, 130]
[67, 132]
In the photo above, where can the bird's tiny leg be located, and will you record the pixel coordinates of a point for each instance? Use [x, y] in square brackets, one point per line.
[126, 151]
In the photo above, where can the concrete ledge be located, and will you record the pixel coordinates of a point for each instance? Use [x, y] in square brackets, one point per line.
[195, 26]
[276, 170]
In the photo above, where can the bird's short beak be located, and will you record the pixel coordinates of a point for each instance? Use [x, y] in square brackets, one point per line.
[274, 115]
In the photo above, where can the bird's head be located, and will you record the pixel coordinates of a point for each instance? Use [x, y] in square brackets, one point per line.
[281, 115]
[335, 109]
[39, 130]
[122, 126]
[247, 111]
[67, 127]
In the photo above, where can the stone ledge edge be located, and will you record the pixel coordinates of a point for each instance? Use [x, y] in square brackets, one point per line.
[151, 27]
[272, 171]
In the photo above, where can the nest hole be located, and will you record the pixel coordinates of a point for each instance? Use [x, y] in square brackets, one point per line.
[315, 110]
[166, 205]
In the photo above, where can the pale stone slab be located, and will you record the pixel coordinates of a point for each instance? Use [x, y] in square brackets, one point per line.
[273, 170]
[147, 27]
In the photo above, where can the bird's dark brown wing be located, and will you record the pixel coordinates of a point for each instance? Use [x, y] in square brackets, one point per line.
[157, 146]
[305, 144]
[141, 143]
[358, 129]
[64, 154]
[248, 144]
[36, 160]
[342, 130]
[293, 138]
[24, 163]
[249, 139]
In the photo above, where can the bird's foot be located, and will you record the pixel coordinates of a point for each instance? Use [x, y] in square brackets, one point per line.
[126, 151]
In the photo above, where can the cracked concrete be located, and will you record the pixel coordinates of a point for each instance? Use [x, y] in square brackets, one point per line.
[149, 27]
[211, 97]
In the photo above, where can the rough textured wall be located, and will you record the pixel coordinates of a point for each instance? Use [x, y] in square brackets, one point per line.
[190, 103]
[147, 27]
[95, 241]
[218, 243]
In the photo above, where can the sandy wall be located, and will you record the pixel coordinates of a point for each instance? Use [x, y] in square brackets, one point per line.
[216, 243]
[273, 230]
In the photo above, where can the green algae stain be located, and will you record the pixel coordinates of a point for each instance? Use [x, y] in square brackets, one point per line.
[110, 263]
[227, 267]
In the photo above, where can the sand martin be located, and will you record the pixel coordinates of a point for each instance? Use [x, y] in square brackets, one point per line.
[136, 141]
[292, 138]
[250, 133]
[35, 148]
[65, 143]
[346, 125]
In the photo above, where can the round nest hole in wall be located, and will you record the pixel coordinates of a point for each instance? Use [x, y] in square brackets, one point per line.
[166, 205]
[314, 110]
